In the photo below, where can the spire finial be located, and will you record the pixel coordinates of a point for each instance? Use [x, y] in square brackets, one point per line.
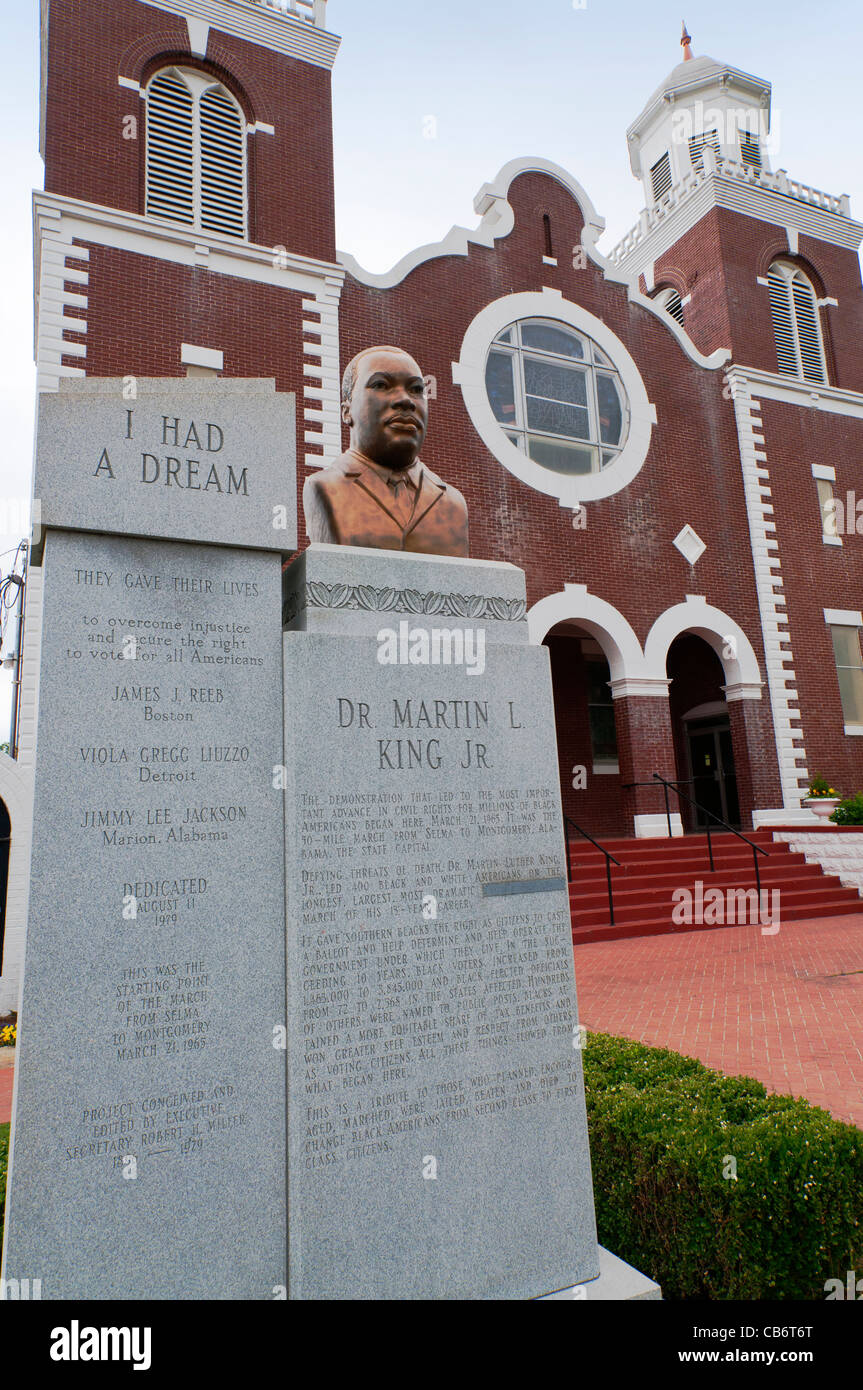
[685, 41]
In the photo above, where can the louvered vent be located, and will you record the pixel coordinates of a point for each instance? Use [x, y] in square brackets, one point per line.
[750, 150]
[673, 306]
[660, 177]
[783, 328]
[796, 327]
[808, 331]
[696, 146]
[222, 171]
[170, 150]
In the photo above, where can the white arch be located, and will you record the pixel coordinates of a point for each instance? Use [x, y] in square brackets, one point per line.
[602, 621]
[723, 634]
[16, 787]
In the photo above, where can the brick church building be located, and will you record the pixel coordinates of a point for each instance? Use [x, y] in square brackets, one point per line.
[663, 437]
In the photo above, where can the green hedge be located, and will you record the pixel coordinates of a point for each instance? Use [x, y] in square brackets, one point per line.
[662, 1128]
[4, 1159]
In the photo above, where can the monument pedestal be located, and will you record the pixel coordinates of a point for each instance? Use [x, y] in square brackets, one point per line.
[437, 1139]
[382, 780]
[148, 1149]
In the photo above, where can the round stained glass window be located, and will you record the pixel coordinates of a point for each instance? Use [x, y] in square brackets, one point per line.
[556, 396]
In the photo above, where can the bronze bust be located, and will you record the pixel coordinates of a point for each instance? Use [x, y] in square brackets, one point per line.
[380, 493]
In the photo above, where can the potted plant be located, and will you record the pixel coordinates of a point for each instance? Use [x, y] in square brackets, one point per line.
[821, 797]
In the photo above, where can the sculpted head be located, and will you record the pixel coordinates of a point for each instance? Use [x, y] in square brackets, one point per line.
[384, 404]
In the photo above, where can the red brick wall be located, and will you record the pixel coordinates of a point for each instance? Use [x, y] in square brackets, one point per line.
[817, 576]
[86, 156]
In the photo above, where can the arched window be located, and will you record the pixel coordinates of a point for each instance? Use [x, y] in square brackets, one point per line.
[196, 152]
[796, 324]
[669, 299]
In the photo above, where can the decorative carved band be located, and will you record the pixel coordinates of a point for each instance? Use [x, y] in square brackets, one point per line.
[390, 600]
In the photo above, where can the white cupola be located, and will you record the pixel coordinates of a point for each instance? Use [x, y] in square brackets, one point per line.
[702, 113]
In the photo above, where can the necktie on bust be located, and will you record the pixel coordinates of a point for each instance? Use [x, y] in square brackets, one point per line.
[403, 489]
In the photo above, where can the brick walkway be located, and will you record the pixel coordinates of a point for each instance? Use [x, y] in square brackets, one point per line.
[787, 1009]
[7, 1077]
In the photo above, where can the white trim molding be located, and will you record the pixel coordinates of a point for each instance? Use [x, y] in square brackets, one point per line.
[173, 241]
[826, 471]
[711, 709]
[52, 275]
[741, 690]
[643, 686]
[779, 657]
[60, 221]
[655, 826]
[843, 617]
[322, 389]
[199, 33]
[469, 374]
[192, 356]
[792, 390]
[767, 196]
[261, 24]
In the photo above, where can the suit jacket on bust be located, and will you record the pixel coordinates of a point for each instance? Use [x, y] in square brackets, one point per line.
[350, 503]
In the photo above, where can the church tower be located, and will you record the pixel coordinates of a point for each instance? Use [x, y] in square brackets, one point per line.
[187, 221]
[741, 254]
[751, 260]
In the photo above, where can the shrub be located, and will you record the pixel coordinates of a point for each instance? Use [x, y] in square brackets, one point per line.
[662, 1129]
[849, 811]
[8, 1035]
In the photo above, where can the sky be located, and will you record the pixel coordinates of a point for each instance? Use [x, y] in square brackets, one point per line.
[431, 101]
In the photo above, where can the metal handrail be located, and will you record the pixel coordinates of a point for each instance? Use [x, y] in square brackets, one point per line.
[675, 787]
[609, 860]
[684, 782]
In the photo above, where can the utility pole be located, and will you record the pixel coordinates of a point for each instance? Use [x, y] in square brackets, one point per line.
[20, 581]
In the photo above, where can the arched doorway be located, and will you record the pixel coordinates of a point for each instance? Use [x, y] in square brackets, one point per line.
[586, 730]
[703, 744]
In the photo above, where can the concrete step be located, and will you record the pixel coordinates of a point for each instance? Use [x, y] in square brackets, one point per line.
[660, 927]
[651, 870]
[821, 897]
